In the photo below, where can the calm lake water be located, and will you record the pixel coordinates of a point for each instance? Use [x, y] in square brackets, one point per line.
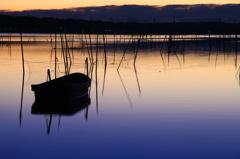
[182, 104]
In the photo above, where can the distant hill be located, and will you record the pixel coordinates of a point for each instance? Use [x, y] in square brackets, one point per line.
[228, 13]
[29, 24]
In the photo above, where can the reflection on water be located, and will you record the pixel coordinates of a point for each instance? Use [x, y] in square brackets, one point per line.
[155, 97]
[58, 108]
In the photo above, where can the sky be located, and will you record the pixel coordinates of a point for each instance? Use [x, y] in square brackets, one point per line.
[143, 14]
[19, 5]
[142, 11]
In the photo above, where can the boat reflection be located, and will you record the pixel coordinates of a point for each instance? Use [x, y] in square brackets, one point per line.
[64, 107]
[60, 107]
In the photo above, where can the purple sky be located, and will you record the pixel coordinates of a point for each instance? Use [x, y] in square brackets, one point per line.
[138, 13]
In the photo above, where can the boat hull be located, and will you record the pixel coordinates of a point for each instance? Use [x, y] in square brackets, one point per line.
[64, 89]
[60, 94]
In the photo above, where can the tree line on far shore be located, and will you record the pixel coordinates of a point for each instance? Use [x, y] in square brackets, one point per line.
[29, 24]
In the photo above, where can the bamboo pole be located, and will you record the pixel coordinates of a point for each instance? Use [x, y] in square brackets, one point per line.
[22, 50]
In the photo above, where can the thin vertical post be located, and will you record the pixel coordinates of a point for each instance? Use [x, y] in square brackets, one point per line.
[22, 50]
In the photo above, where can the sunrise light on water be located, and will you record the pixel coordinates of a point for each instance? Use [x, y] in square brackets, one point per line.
[185, 102]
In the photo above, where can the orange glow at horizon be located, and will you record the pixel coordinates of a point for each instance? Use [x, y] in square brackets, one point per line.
[14, 5]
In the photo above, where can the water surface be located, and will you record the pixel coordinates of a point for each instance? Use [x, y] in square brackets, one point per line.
[177, 105]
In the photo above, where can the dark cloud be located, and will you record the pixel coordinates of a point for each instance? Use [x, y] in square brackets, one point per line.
[138, 13]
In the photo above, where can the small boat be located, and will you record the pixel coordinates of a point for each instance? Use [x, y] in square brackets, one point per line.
[65, 90]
